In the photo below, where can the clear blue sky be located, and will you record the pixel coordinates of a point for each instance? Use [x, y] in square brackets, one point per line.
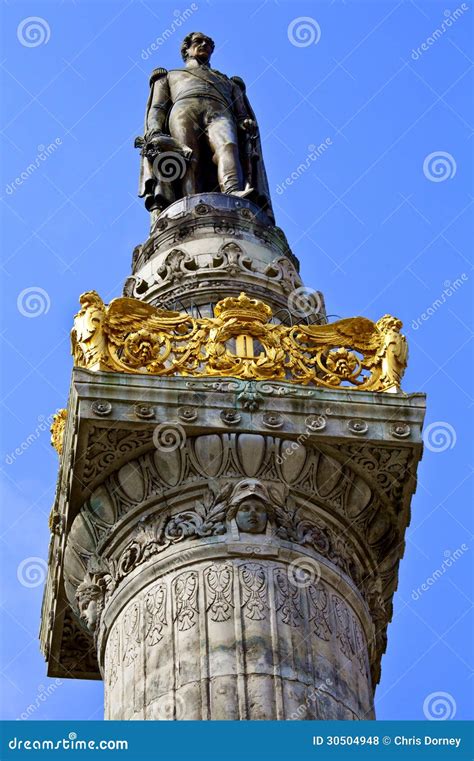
[371, 228]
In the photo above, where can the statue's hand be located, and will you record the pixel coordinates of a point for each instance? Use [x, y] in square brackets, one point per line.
[153, 136]
[153, 143]
[149, 141]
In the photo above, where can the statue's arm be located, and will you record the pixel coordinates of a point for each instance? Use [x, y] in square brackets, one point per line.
[240, 108]
[242, 114]
[159, 104]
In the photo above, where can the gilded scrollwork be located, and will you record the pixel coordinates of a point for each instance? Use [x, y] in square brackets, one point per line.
[239, 341]
[58, 427]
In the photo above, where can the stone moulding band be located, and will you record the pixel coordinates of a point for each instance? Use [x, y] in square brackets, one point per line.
[240, 341]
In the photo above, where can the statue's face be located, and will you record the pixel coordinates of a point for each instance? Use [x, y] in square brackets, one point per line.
[251, 516]
[200, 48]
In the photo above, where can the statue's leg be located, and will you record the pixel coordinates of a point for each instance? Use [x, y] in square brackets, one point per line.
[222, 134]
[184, 126]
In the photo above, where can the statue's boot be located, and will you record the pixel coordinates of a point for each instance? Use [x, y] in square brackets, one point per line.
[242, 193]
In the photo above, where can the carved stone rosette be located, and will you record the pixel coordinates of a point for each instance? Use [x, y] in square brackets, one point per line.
[228, 549]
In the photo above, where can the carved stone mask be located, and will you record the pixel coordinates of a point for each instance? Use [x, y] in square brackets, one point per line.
[251, 517]
[90, 614]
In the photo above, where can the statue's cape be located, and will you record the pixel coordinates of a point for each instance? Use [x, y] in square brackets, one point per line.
[148, 184]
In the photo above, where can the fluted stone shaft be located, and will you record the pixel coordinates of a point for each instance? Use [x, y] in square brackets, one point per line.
[228, 633]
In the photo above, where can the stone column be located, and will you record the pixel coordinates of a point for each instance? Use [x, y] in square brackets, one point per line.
[232, 638]
[226, 546]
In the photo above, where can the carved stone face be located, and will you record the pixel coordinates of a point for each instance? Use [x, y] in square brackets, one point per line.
[200, 48]
[88, 611]
[251, 516]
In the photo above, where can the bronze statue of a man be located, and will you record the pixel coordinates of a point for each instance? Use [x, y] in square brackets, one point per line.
[201, 134]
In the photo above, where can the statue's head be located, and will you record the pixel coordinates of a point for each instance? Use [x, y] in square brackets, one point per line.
[197, 45]
[250, 505]
[90, 299]
[387, 322]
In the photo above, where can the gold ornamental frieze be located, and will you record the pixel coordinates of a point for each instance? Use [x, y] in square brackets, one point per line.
[57, 429]
[240, 341]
